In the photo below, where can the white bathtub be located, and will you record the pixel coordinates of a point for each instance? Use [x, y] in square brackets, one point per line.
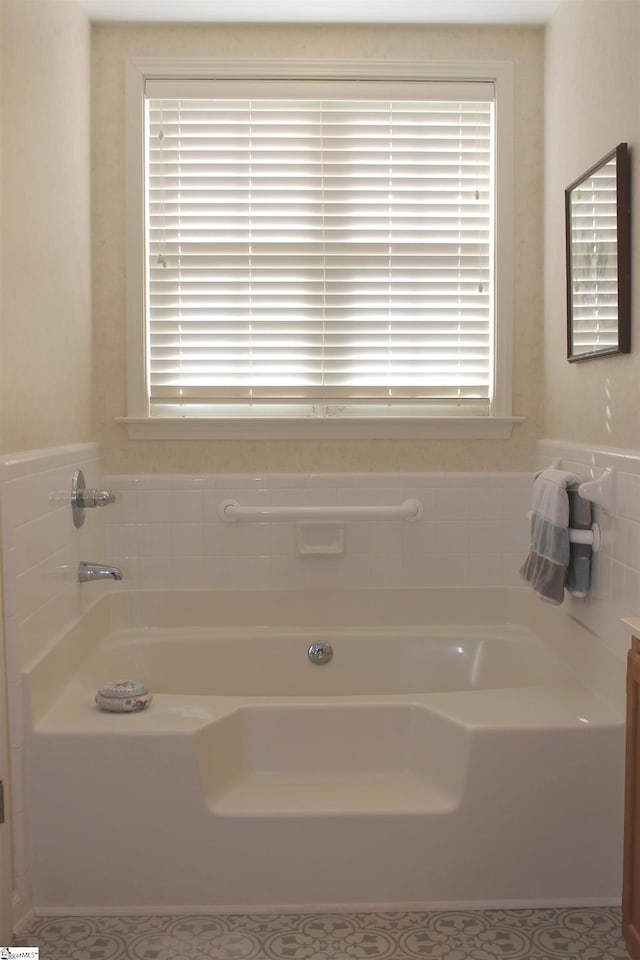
[462, 747]
[273, 662]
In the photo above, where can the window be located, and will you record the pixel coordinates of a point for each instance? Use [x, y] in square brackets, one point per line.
[317, 250]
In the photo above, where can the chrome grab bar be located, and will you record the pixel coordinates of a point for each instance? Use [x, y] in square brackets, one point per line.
[411, 509]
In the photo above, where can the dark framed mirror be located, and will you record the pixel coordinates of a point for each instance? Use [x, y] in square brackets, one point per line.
[598, 245]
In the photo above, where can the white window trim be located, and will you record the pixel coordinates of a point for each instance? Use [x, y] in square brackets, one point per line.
[141, 425]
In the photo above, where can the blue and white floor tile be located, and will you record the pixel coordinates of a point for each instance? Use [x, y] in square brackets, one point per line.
[549, 934]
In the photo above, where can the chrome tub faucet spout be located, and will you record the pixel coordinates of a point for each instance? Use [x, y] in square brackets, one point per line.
[97, 571]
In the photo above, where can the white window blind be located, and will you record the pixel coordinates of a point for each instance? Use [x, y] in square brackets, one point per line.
[309, 242]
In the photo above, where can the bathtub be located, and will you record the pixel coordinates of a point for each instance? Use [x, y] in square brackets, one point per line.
[462, 748]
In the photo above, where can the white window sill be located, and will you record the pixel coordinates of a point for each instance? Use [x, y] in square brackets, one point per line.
[305, 428]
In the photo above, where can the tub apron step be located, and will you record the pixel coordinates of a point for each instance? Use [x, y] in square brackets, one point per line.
[331, 793]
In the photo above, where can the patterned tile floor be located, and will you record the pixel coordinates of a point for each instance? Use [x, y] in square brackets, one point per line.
[549, 934]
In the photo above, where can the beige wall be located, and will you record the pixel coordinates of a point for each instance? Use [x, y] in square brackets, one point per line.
[46, 393]
[113, 44]
[45, 315]
[592, 102]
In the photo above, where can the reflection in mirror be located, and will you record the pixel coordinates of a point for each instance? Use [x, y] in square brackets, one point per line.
[598, 259]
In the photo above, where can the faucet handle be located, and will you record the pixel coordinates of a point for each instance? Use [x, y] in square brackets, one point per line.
[82, 497]
[94, 498]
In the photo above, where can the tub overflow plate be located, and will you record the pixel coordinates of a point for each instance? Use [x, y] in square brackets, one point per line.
[320, 653]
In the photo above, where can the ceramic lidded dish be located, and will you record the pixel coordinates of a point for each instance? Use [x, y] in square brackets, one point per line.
[123, 696]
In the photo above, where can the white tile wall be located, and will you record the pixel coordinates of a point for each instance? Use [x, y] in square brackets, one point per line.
[41, 547]
[166, 531]
[615, 580]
